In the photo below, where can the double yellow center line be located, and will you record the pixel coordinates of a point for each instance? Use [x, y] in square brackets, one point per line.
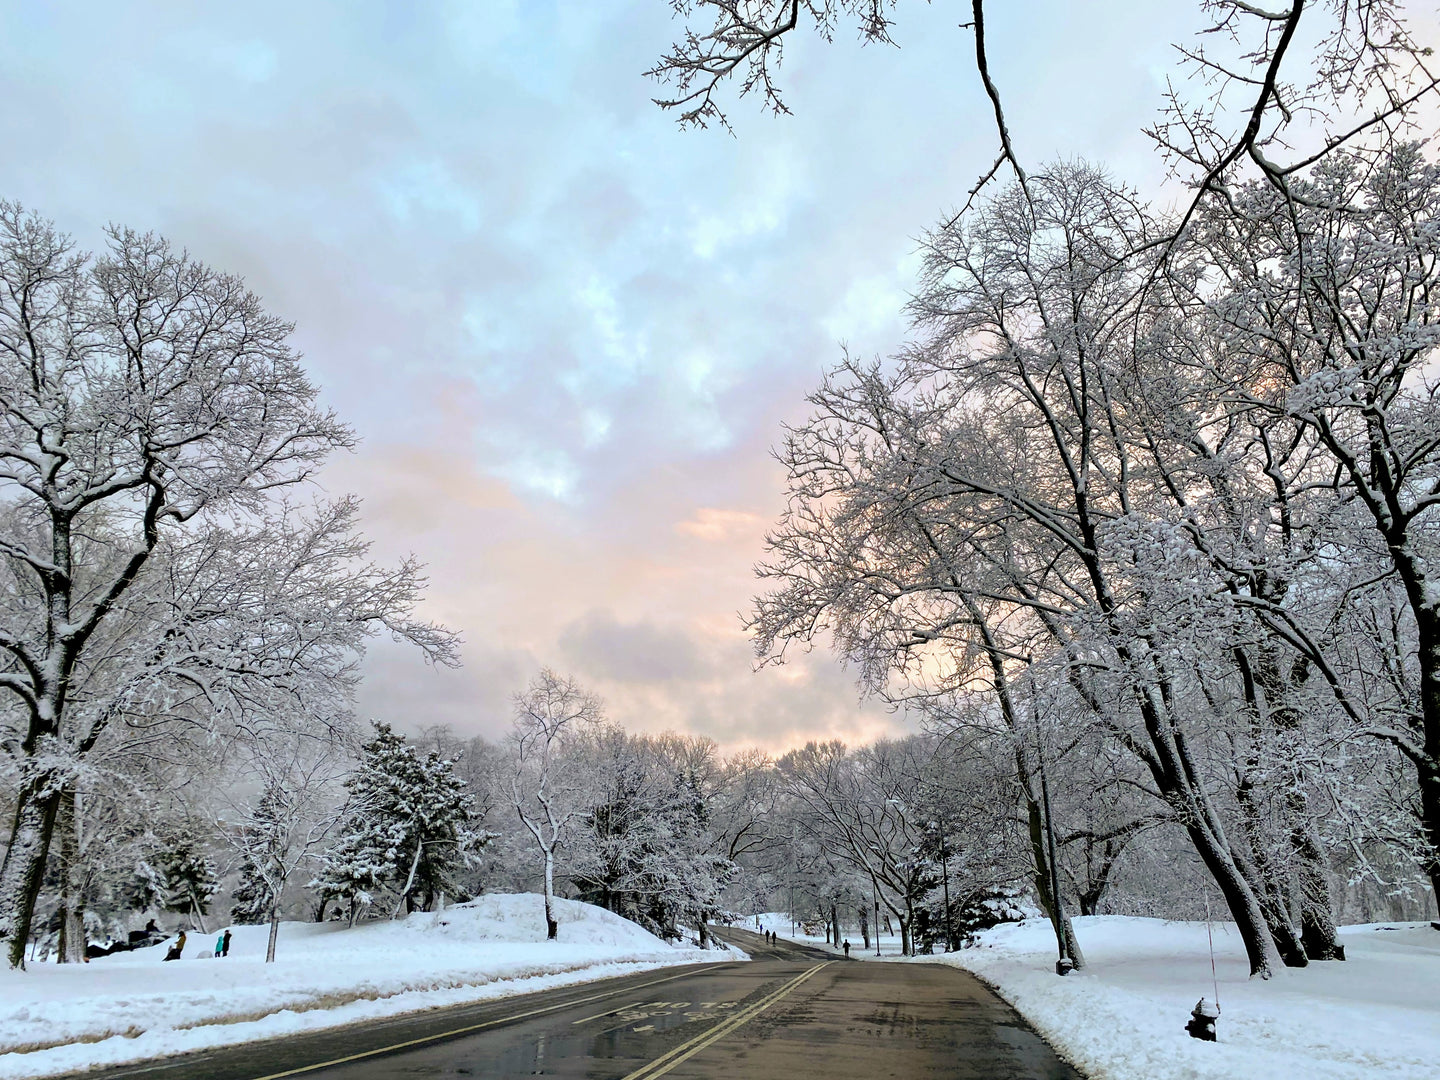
[469, 1028]
[686, 1050]
[659, 1067]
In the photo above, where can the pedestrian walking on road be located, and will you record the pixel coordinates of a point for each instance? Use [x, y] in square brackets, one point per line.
[847, 948]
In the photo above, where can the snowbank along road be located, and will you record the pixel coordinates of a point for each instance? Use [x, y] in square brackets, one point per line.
[792, 1012]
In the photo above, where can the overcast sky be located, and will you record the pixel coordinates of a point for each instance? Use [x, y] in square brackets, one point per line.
[567, 331]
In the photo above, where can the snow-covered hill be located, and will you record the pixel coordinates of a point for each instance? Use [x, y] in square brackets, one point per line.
[55, 1018]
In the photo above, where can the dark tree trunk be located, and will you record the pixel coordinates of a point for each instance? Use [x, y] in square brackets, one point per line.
[1318, 936]
[1317, 920]
[23, 870]
[1064, 930]
[1265, 880]
[72, 881]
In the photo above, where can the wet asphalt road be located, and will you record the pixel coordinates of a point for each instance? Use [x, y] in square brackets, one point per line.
[791, 1013]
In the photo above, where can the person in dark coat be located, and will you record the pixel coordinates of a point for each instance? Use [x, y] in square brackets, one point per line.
[225, 943]
[847, 948]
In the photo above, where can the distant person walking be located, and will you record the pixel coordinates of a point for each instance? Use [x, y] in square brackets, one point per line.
[219, 943]
[847, 948]
[225, 943]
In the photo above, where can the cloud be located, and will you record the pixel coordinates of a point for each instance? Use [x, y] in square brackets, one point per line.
[597, 644]
[567, 331]
[712, 524]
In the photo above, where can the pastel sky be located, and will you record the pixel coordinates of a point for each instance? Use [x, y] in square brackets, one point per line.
[567, 331]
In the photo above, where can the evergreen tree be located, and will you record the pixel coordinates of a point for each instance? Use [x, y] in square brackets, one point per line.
[188, 879]
[409, 827]
[261, 840]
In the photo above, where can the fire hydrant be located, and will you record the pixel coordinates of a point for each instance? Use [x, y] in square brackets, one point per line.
[1202, 1020]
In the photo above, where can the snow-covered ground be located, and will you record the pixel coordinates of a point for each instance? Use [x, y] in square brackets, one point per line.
[1123, 1018]
[57, 1018]
[1377, 1014]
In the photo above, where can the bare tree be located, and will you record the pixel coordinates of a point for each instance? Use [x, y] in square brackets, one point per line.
[549, 713]
[285, 826]
[1268, 105]
[864, 810]
[144, 400]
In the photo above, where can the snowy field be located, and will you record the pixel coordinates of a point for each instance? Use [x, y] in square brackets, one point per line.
[1375, 1015]
[56, 1018]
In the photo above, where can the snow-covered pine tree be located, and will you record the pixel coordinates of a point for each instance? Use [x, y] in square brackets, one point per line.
[250, 905]
[259, 838]
[409, 825]
[188, 879]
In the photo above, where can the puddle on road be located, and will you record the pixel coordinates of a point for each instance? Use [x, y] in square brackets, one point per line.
[625, 1031]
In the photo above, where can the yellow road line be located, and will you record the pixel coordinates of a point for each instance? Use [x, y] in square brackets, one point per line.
[471, 1027]
[686, 1050]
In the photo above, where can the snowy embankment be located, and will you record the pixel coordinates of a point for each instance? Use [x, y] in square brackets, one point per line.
[1123, 1017]
[133, 1006]
[1376, 1014]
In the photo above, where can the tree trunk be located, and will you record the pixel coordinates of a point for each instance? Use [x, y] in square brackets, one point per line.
[552, 928]
[72, 881]
[1317, 919]
[1244, 907]
[1176, 777]
[1421, 593]
[23, 870]
[1265, 881]
[1318, 936]
[198, 913]
[835, 924]
[274, 934]
[865, 928]
[905, 937]
[1429, 775]
[1065, 939]
[409, 880]
[704, 932]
